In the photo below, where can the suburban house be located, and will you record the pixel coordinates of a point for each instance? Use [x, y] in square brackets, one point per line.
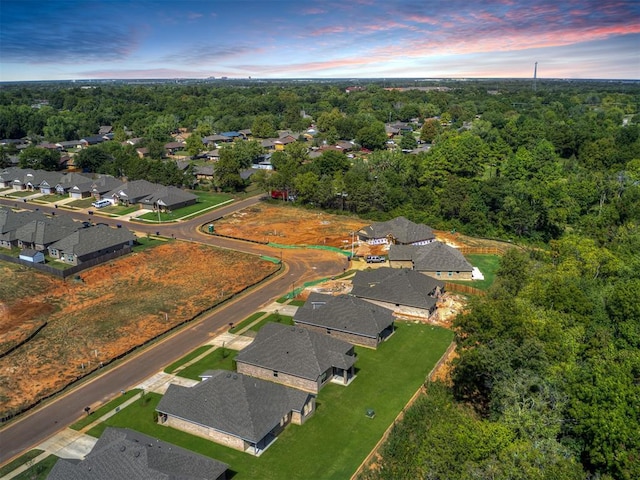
[10, 221]
[87, 243]
[404, 291]
[100, 186]
[125, 453]
[346, 318]
[68, 181]
[29, 179]
[39, 234]
[234, 410]
[436, 259]
[297, 357]
[152, 195]
[398, 231]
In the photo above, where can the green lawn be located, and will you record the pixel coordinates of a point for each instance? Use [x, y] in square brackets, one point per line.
[50, 198]
[274, 317]
[119, 210]
[22, 193]
[82, 203]
[337, 438]
[148, 242]
[488, 265]
[219, 359]
[107, 407]
[187, 358]
[246, 321]
[39, 471]
[206, 200]
[18, 462]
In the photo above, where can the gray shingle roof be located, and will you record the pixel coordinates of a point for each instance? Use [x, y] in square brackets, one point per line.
[402, 230]
[10, 220]
[168, 196]
[150, 193]
[399, 286]
[233, 403]
[47, 231]
[296, 351]
[88, 240]
[121, 453]
[135, 190]
[344, 313]
[435, 256]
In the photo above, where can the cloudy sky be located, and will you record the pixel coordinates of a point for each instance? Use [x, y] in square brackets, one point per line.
[100, 39]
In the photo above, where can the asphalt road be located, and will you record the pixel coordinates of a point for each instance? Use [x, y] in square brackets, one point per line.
[54, 415]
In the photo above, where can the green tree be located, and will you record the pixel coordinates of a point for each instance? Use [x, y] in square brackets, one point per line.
[372, 136]
[194, 144]
[92, 159]
[40, 158]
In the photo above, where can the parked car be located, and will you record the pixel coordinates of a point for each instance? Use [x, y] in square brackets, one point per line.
[375, 259]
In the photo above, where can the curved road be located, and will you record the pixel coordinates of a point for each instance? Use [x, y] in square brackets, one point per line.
[56, 414]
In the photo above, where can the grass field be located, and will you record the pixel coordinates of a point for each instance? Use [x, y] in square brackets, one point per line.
[246, 321]
[488, 265]
[107, 407]
[274, 317]
[337, 438]
[219, 359]
[18, 462]
[206, 201]
[39, 471]
[187, 358]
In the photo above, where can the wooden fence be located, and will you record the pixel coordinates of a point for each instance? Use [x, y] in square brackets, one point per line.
[456, 287]
[484, 250]
[420, 391]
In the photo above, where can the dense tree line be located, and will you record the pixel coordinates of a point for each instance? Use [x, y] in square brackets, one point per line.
[547, 380]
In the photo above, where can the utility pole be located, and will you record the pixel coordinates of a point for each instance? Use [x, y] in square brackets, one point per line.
[535, 77]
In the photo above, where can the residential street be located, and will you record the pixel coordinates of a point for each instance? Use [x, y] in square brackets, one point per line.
[300, 266]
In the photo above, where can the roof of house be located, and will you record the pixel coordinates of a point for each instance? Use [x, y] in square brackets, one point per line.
[399, 286]
[296, 351]
[29, 252]
[168, 196]
[88, 240]
[432, 257]
[134, 190]
[123, 453]
[104, 183]
[402, 230]
[233, 403]
[47, 231]
[10, 221]
[150, 193]
[344, 313]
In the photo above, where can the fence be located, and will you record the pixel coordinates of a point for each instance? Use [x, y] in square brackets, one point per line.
[456, 287]
[445, 356]
[70, 270]
[484, 250]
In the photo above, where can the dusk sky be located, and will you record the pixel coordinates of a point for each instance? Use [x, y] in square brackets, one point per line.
[100, 39]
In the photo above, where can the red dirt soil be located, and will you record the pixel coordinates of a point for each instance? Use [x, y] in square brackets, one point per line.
[114, 308]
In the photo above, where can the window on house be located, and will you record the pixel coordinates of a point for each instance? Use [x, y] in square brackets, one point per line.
[275, 374]
[451, 274]
[438, 274]
[328, 332]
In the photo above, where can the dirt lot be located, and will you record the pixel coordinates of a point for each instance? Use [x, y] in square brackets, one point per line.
[290, 225]
[112, 309]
